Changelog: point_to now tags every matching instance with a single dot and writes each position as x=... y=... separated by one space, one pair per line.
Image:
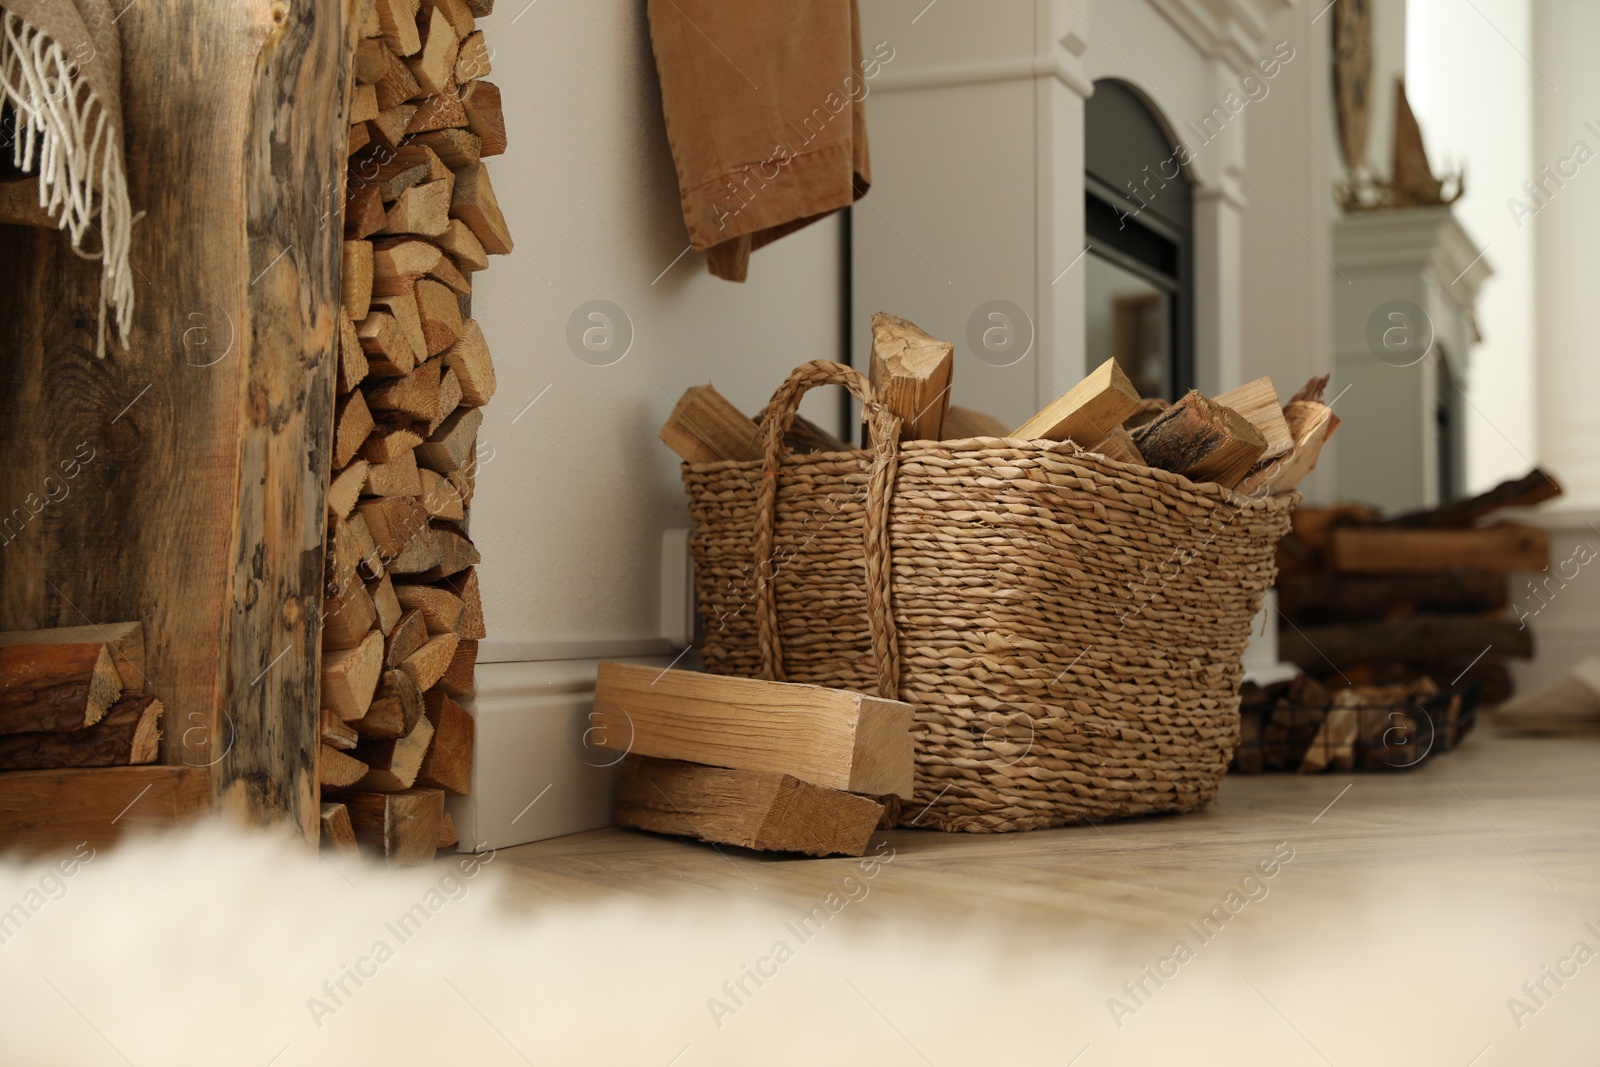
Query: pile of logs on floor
x=403 y=616
x=75 y=697
x=1369 y=601
x=1244 y=439
x=1301 y=725
x=738 y=761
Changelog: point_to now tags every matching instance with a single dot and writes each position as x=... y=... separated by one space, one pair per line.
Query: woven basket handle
x=885 y=426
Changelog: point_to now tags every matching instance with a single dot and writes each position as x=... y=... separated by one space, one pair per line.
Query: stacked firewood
x=403 y=615
x=1370 y=600
x=1243 y=439
x=74 y=696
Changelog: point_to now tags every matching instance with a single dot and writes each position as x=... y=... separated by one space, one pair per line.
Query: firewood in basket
x=705 y=427
x=1257 y=401
x=1201 y=440
x=910 y=376
x=56 y=686
x=961 y=423
x=1118 y=445
x=1086 y=412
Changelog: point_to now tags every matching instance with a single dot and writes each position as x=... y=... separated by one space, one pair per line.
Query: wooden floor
x=1514 y=816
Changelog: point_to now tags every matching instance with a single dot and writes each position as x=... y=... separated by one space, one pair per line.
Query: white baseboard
x=533 y=776
x=1563 y=607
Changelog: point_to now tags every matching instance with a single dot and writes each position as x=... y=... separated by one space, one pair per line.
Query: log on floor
x=752 y=809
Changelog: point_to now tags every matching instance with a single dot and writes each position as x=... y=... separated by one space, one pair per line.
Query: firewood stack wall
x=403 y=616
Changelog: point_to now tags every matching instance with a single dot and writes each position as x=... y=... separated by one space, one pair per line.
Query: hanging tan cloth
x=764 y=104
x=61 y=69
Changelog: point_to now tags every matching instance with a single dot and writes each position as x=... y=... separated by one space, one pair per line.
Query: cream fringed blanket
x=61 y=69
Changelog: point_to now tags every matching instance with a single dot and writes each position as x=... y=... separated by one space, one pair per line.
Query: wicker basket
x=1069 y=628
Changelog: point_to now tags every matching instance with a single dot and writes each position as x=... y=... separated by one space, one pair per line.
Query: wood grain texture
x=751 y=809
x=705 y=427
x=1086 y=412
x=910 y=375
x=403 y=828
x=829 y=737
x=1502 y=547
x=128 y=734
x=124 y=639
x=55 y=686
x=45 y=811
x=200 y=512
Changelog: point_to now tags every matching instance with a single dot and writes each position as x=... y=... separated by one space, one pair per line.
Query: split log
x=398 y=19
x=395 y=709
x=1201 y=440
x=457 y=12
x=463 y=246
x=422 y=209
x=403 y=306
x=1321 y=596
x=389 y=128
x=55 y=686
x=830 y=737
x=397 y=85
x=470 y=626
x=1334 y=742
x=347 y=616
x=473 y=61
x=394 y=522
x=442 y=499
x=124 y=640
x=335 y=770
x=352 y=422
x=398 y=477
x=355 y=278
x=453 y=443
x=1532 y=488
x=481 y=8
x=371 y=62
x=129 y=733
x=455 y=551
x=448 y=838
x=1086 y=412
x=1311 y=423
x=463 y=478
x=1258 y=402
x=391 y=173
x=474 y=203
x=420 y=554
x=336 y=733
x=458 y=148
x=346 y=488
x=434 y=66
x=485 y=115
x=440 y=312
x=363 y=104
x=388 y=605
x=705 y=427
x=963 y=423
x=459 y=680
x=1118 y=445
x=910 y=376
x=1419 y=640
x=750 y=809
x=357 y=139
x=415 y=395
x=442 y=111
x=392 y=437
x=392 y=764
x=350 y=676
x=428 y=664
x=337 y=833
x=363 y=212
x=448 y=764
x=389 y=351
x=449 y=399
x=402 y=828
x=352 y=367
x=410 y=634
x=1502 y=547
x=398 y=263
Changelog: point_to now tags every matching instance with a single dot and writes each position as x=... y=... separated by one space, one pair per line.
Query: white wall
x=570 y=506
x=1473 y=96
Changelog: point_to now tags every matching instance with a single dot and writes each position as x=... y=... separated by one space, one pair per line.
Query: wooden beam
x=1502 y=547
x=750 y=809
x=47 y=811
x=1086 y=412
x=910 y=376
x=829 y=737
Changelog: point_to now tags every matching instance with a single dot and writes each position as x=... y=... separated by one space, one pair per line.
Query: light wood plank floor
x=1513 y=815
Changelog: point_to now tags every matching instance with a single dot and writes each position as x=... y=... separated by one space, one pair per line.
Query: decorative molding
x=1419 y=237
x=1230 y=30
x=1022 y=68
